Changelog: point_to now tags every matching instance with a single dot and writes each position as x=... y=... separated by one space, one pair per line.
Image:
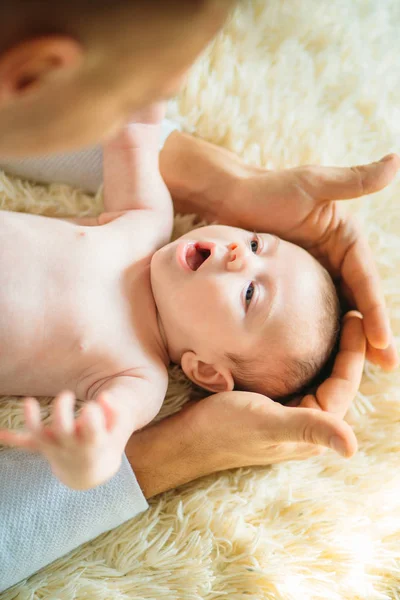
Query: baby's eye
x=254 y=245
x=249 y=293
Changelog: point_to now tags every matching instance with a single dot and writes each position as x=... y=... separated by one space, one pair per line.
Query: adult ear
x=214 y=378
x=27 y=65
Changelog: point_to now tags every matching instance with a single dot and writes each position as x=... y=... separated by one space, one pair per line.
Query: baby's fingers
x=17 y=440
x=33 y=420
x=29 y=440
x=91 y=423
x=63 y=416
x=109 y=411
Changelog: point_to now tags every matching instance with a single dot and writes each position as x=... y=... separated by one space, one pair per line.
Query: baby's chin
x=155 y=266
x=162 y=271
x=160 y=255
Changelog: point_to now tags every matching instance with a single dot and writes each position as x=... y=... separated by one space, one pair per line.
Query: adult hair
x=91 y=20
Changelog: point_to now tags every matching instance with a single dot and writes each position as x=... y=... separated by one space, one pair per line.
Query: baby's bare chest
x=69 y=305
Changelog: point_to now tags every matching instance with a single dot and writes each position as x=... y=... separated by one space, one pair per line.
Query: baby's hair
x=297 y=376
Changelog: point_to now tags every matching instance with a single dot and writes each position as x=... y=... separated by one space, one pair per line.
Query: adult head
x=73 y=71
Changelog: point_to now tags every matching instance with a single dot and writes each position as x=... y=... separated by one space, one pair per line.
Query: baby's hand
x=83 y=452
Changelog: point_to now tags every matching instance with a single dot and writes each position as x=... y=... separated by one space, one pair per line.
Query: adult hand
x=337 y=392
x=252 y=429
x=301 y=206
x=297 y=204
x=236 y=429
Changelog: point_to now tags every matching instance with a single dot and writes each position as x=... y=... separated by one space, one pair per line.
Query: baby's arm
x=131 y=175
x=87 y=451
x=132 y=180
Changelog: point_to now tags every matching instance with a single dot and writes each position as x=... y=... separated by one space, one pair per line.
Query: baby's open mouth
x=196 y=255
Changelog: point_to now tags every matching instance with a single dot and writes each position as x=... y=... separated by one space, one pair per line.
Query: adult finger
x=361 y=288
x=314 y=427
x=361 y=276
x=310 y=401
x=293 y=451
x=337 y=392
x=387 y=358
x=343 y=183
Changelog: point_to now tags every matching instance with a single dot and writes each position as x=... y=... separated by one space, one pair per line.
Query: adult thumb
x=320 y=428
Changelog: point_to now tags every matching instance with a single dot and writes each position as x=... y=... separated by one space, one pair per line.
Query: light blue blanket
x=41 y=519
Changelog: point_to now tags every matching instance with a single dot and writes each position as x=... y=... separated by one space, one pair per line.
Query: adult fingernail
x=351 y=314
x=338 y=445
x=387 y=157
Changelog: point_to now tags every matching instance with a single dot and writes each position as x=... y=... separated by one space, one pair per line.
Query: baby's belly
x=27 y=355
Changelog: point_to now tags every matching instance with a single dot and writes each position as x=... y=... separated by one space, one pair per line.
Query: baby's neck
x=162 y=334
x=148 y=322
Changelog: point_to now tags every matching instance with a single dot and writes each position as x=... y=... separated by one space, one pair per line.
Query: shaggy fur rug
x=286 y=83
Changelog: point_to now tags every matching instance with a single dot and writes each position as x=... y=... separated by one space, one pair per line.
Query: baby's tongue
x=194 y=258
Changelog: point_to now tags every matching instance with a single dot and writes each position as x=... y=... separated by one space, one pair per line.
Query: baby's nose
x=237 y=256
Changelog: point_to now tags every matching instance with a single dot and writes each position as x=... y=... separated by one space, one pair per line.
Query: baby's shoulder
x=141 y=228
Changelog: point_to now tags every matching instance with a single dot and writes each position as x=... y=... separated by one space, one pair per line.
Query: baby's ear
x=29 y=64
x=214 y=378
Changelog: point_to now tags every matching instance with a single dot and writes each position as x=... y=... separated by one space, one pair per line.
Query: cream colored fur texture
x=288 y=82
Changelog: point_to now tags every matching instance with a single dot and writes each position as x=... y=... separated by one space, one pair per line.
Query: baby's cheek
x=206 y=302
x=185 y=305
x=198 y=308
x=197 y=302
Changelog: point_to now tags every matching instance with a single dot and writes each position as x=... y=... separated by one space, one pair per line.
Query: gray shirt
x=41 y=519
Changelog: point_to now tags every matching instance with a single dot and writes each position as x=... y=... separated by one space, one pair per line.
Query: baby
x=100 y=306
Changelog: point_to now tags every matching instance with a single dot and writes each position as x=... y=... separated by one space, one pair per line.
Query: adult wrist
x=171 y=453
x=201 y=177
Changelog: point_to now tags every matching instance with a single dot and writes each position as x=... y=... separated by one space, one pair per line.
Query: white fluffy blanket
x=288 y=82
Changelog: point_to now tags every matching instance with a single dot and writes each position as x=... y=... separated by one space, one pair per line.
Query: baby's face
x=225 y=290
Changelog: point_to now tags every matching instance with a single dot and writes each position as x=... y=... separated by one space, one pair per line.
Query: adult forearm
x=201 y=177
x=168 y=454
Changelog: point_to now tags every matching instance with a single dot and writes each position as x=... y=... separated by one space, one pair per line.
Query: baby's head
x=243 y=310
